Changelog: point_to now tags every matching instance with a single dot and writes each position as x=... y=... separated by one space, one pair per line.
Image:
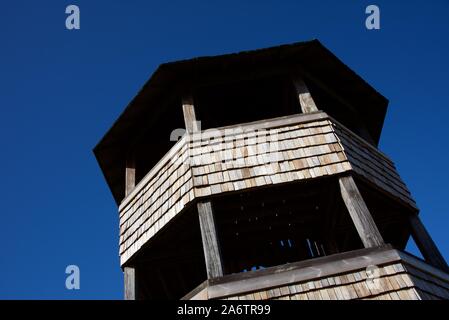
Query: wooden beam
x=211 y=248
x=130 y=174
x=188 y=110
x=130 y=283
x=359 y=213
x=425 y=243
x=305 y=98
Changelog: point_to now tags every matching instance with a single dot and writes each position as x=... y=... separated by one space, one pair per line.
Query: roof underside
x=170 y=79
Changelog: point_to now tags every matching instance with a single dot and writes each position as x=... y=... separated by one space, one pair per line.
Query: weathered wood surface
x=233 y=158
x=305 y=98
x=373 y=165
x=130 y=175
x=425 y=243
x=211 y=247
x=349 y=286
x=377 y=273
x=161 y=195
x=360 y=215
x=304 y=147
x=130 y=283
x=188 y=110
x=272 y=156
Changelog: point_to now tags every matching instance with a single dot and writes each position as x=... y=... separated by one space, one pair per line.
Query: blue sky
x=60 y=91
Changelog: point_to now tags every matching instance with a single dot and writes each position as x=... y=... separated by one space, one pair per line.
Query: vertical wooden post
x=305 y=98
x=130 y=283
x=188 y=110
x=130 y=174
x=360 y=215
x=425 y=243
x=209 y=236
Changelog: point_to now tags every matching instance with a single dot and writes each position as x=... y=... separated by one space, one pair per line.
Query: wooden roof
x=168 y=81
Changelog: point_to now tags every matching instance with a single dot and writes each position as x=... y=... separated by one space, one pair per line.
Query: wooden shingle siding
x=346 y=276
x=272 y=156
x=349 y=286
x=251 y=155
x=428 y=284
x=373 y=165
x=160 y=197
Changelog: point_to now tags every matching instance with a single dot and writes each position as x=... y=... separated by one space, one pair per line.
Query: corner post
x=305 y=98
x=211 y=248
x=188 y=110
x=130 y=283
x=130 y=174
x=360 y=215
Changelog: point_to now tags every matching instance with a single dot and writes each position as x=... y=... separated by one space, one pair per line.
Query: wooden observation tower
x=257 y=175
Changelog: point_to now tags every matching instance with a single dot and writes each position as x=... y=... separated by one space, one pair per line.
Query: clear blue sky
x=61 y=90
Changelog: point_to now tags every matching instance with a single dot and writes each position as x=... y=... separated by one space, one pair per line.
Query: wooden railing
x=375 y=273
x=247 y=156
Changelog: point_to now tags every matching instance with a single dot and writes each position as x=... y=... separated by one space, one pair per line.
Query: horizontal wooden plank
x=329 y=282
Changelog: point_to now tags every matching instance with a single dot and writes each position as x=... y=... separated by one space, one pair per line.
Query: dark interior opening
x=262 y=228
x=245 y=101
x=299 y=221
x=391 y=217
x=155 y=141
x=349 y=117
x=278 y=225
x=171 y=264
